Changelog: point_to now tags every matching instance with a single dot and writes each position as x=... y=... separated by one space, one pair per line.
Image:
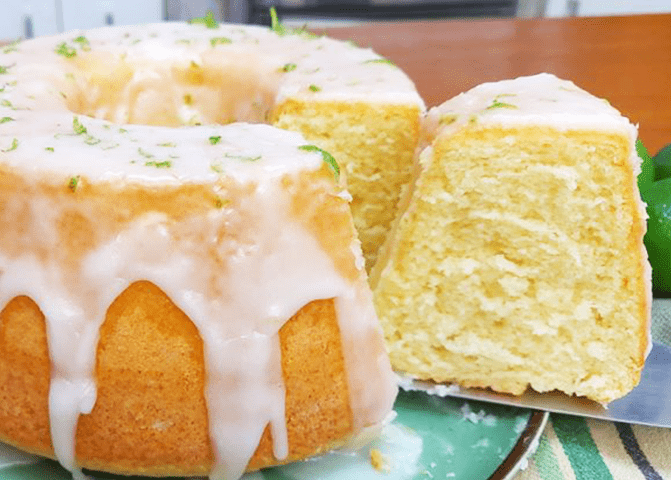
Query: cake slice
x=518 y=257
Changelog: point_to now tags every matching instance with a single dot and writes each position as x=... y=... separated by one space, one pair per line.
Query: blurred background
x=28 y=18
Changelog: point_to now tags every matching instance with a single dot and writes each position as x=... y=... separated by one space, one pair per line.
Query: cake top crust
x=93 y=97
x=541 y=99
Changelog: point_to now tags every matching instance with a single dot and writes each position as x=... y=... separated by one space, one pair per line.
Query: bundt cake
x=180 y=297
x=517 y=258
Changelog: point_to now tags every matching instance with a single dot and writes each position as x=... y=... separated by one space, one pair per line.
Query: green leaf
x=662 y=163
x=326 y=156
x=208 y=20
x=658 y=237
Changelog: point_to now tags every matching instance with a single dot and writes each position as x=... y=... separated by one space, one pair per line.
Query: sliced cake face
x=129 y=213
x=518 y=259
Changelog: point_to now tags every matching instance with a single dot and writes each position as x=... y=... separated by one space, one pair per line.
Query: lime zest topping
x=73 y=184
x=49 y=149
x=166 y=144
x=65 y=50
x=217 y=167
x=277 y=27
x=289 y=67
x=6 y=119
x=275 y=24
x=384 y=61
x=326 y=156
x=243 y=158
x=214 y=41
x=154 y=163
x=314 y=88
x=144 y=153
x=214 y=139
x=12 y=47
x=13 y=146
x=496 y=103
x=6 y=103
x=83 y=42
x=4 y=69
x=208 y=20
x=78 y=127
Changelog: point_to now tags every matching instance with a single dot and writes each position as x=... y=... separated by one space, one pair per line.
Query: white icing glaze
x=272 y=268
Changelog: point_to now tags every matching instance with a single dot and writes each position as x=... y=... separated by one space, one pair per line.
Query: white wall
x=52 y=16
x=559 y=8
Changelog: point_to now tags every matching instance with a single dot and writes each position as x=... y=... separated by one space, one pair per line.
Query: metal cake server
x=648 y=404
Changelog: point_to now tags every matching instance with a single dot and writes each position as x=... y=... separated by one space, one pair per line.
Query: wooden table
x=626 y=60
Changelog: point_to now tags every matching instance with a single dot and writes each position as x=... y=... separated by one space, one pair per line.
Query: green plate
x=431 y=437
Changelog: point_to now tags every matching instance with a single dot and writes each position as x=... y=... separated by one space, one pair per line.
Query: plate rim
x=526 y=445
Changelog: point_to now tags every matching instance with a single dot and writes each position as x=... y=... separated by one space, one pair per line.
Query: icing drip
x=238 y=271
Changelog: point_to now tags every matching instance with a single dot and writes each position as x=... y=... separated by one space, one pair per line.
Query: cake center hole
x=213 y=89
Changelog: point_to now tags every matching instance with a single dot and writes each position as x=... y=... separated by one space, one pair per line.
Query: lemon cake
x=518 y=257
x=347 y=100
x=177 y=296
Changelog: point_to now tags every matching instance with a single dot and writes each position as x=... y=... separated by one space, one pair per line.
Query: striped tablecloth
x=587 y=449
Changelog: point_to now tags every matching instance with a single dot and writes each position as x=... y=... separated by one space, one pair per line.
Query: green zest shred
x=244 y=158
x=3 y=69
x=383 y=61
x=275 y=24
x=77 y=126
x=314 y=88
x=83 y=42
x=12 y=47
x=208 y=20
x=13 y=146
x=214 y=41
x=154 y=163
x=289 y=67
x=496 y=103
x=326 y=156
x=73 y=183
x=214 y=140
x=277 y=27
x=49 y=149
x=6 y=119
x=65 y=50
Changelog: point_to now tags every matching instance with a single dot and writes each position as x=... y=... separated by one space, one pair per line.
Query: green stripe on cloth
x=546 y=461
x=579 y=446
